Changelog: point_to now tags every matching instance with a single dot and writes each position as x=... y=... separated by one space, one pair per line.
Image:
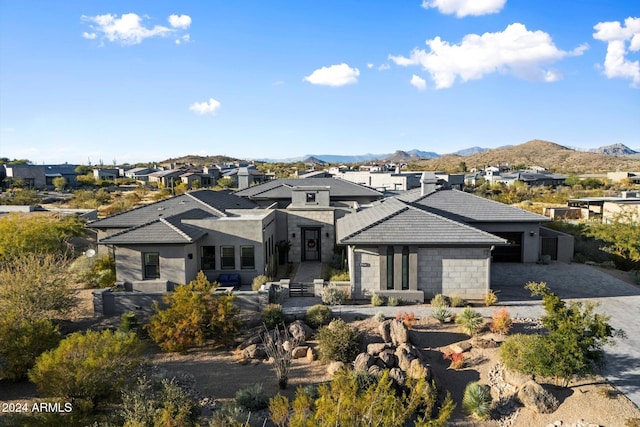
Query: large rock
x=388 y=359
x=299 y=352
x=404 y=358
x=300 y=331
x=255 y=339
x=385 y=330
x=375 y=348
x=254 y=351
x=460 y=347
x=335 y=367
x=311 y=355
x=375 y=370
x=363 y=362
x=536 y=398
x=397 y=376
x=418 y=369
x=288 y=346
x=516 y=379
x=399 y=332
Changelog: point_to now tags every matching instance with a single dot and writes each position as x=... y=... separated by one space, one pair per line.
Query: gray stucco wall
x=174 y=262
x=310 y=217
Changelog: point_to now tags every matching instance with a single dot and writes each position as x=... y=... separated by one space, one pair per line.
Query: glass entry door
x=310 y=244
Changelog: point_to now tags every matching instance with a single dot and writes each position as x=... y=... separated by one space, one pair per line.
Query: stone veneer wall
x=366 y=267
x=454 y=271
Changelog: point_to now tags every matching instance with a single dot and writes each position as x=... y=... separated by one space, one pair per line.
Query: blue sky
x=147 y=80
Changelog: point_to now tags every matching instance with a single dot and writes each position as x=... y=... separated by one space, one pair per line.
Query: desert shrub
x=393 y=302
x=408 y=318
x=230 y=415
x=456 y=301
x=21 y=341
x=276 y=351
x=339 y=341
x=490 y=298
x=470 y=321
x=442 y=314
x=128 y=321
x=342 y=403
x=334 y=295
x=476 y=401
x=364 y=380
x=501 y=322
x=258 y=281
x=318 y=315
x=457 y=359
x=439 y=300
x=252 y=398
x=339 y=276
x=377 y=300
x=272 y=316
x=525 y=353
x=632 y=422
x=158 y=401
x=193 y=315
x=379 y=317
x=88 y=366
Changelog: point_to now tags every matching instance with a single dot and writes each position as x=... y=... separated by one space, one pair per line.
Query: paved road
x=618 y=299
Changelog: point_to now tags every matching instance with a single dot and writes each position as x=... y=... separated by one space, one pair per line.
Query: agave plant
x=476 y=400
x=470 y=321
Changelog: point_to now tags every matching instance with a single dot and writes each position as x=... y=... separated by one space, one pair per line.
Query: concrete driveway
x=616 y=298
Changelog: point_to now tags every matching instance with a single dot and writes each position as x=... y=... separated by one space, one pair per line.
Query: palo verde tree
x=622 y=236
x=573 y=346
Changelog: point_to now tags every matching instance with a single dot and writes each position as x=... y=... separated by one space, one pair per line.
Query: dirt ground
x=219 y=374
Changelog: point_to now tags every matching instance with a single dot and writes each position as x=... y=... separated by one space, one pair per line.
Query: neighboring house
x=139 y=174
x=166 y=178
x=617 y=177
x=434 y=240
x=384 y=181
x=244 y=176
x=106 y=174
x=608 y=209
x=41 y=176
x=529 y=177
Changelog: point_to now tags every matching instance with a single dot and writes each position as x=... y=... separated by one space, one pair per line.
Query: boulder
x=287 y=346
x=404 y=359
x=299 y=352
x=255 y=339
x=516 y=379
x=385 y=330
x=460 y=347
x=410 y=349
x=398 y=332
x=300 y=331
x=388 y=359
x=375 y=348
x=311 y=355
x=536 y=398
x=418 y=369
x=254 y=351
x=363 y=362
x=335 y=367
x=375 y=370
x=397 y=376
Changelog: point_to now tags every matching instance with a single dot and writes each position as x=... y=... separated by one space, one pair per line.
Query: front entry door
x=310 y=244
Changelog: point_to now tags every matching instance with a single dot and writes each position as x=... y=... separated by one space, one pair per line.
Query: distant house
x=608 y=209
x=41 y=176
x=529 y=177
x=166 y=178
x=106 y=174
x=244 y=176
x=139 y=174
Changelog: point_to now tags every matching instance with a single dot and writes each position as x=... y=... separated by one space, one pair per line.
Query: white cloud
x=334 y=75
x=384 y=67
x=128 y=29
x=462 y=8
x=184 y=39
x=209 y=107
x=616 y=64
x=369 y=65
x=515 y=50
x=418 y=82
x=180 y=21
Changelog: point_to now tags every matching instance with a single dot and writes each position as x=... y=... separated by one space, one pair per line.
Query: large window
x=151 y=265
x=208 y=260
x=227 y=258
x=390 y=267
x=405 y=268
x=247 y=258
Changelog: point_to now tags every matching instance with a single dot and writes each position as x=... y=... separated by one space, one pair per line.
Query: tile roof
x=281 y=188
x=394 y=222
x=215 y=203
x=160 y=231
x=461 y=206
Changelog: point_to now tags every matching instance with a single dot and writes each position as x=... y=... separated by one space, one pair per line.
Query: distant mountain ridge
x=615 y=150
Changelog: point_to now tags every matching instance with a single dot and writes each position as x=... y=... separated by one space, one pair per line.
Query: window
x=405 y=268
x=151 y=265
x=227 y=258
x=208 y=259
x=311 y=197
x=247 y=260
x=390 y=267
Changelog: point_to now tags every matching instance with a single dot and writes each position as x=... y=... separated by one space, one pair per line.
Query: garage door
x=510 y=253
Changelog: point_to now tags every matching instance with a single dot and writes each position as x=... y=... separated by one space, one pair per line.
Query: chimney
x=428 y=183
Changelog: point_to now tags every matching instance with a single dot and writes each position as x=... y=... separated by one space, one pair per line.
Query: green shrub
x=439 y=300
x=377 y=300
x=128 y=321
x=318 y=315
x=490 y=299
x=470 y=321
x=252 y=398
x=338 y=341
x=230 y=415
x=258 y=281
x=92 y=366
x=442 y=314
x=456 y=301
x=272 y=316
x=393 y=302
x=379 y=317
x=476 y=401
x=500 y=322
x=339 y=276
x=21 y=341
x=526 y=354
x=334 y=295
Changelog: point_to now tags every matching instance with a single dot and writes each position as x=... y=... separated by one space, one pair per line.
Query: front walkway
x=308 y=271
x=616 y=298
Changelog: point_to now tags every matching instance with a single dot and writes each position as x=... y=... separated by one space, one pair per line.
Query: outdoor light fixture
x=293 y=235
x=532 y=233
